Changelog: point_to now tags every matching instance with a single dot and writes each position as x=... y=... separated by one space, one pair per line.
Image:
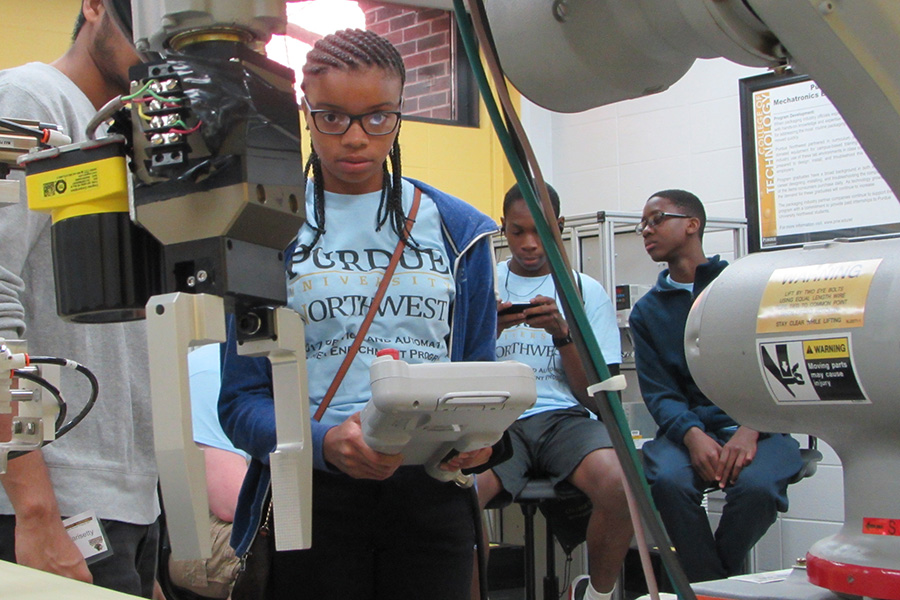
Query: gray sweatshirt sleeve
x=19 y=227
x=12 y=315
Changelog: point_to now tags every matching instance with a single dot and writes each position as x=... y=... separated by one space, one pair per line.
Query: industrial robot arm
x=219 y=182
x=572 y=55
x=210 y=132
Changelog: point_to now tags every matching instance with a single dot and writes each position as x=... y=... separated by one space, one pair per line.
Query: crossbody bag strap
x=370 y=316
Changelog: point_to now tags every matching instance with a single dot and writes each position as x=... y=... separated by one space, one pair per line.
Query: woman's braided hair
x=350 y=49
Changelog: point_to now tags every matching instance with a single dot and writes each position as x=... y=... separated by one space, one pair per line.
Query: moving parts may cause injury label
x=816 y=297
x=810 y=369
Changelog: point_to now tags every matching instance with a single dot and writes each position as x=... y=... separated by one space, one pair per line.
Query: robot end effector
x=210 y=133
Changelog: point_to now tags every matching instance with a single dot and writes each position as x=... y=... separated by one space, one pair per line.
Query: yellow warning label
x=809 y=369
x=765 y=186
x=831 y=348
x=97 y=187
x=816 y=297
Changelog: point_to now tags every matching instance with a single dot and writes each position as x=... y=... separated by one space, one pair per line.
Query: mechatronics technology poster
x=806 y=178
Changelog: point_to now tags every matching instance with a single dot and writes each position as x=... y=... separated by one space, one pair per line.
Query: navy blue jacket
x=657 y=327
x=246 y=407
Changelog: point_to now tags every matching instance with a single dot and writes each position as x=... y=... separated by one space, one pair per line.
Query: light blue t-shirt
x=678 y=285
x=205 y=371
x=333 y=287
x=534 y=347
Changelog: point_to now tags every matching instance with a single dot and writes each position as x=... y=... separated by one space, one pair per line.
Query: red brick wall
x=424 y=38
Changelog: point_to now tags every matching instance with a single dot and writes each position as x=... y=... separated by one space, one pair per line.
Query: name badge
x=87 y=533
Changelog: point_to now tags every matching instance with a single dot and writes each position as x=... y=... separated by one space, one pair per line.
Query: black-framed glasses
x=332 y=122
x=655 y=219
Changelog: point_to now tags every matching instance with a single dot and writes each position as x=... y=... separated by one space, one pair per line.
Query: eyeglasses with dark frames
x=378 y=122
x=655 y=219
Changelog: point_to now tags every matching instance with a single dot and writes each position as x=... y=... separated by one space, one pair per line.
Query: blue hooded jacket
x=657 y=327
x=246 y=407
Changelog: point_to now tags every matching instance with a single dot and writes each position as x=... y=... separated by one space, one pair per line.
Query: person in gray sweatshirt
x=106 y=464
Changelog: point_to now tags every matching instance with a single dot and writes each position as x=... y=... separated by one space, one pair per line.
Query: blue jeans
x=751 y=503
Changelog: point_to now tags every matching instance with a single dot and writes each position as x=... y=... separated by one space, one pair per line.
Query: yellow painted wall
x=35 y=30
x=466 y=162
x=463 y=161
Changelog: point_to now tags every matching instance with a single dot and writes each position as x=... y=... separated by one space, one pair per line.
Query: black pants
x=130 y=569
x=408 y=537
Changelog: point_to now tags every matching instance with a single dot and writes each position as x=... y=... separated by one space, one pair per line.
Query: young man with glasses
x=698 y=447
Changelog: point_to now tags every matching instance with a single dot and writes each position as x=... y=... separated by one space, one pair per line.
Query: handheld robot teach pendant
x=431 y=411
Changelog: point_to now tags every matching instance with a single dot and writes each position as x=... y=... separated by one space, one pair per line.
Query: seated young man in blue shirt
x=557 y=438
x=698 y=446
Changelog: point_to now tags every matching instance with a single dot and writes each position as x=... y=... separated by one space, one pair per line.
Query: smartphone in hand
x=515 y=308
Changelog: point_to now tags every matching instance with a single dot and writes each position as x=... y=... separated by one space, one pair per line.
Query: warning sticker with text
x=874 y=526
x=808 y=369
x=816 y=297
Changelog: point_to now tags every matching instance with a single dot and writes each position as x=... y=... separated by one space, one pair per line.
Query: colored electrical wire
x=119 y=102
x=141 y=113
x=147 y=89
x=179 y=126
x=186 y=131
x=169 y=103
x=140 y=92
x=164 y=98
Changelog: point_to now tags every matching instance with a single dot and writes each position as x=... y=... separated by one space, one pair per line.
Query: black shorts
x=550 y=445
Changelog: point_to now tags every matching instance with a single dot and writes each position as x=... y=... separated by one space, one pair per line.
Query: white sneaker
x=579 y=587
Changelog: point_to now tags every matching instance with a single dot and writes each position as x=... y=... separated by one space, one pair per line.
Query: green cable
x=553 y=254
x=565 y=284
x=143 y=89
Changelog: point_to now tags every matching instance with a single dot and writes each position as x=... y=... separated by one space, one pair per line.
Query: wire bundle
x=149 y=98
x=46 y=135
x=167 y=124
x=61 y=427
